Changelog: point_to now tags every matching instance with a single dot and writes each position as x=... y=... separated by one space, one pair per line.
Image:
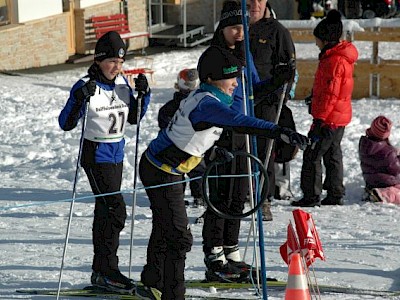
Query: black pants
x=267 y=112
x=109 y=214
x=229 y=196
x=170 y=237
x=329 y=150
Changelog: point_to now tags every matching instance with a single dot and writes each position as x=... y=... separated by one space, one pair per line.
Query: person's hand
x=284 y=72
x=87 y=90
x=319 y=131
x=221 y=155
x=141 y=84
x=307 y=101
x=294 y=138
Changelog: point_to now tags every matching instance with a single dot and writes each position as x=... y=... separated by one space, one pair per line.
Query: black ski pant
x=228 y=196
x=328 y=150
x=170 y=237
x=109 y=214
x=267 y=112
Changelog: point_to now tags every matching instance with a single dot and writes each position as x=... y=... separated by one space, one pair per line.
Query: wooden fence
x=374 y=77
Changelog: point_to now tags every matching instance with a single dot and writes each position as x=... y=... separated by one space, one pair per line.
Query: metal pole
x=139 y=105
x=251 y=108
x=184 y=24
x=71 y=209
x=251 y=190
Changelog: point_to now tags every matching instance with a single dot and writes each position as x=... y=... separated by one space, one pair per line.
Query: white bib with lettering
x=182 y=133
x=108 y=113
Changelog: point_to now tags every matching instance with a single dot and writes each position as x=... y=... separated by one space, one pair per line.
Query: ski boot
x=113 y=281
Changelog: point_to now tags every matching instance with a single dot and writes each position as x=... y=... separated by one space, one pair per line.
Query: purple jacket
x=380 y=163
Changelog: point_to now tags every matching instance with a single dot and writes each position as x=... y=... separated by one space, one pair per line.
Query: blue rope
x=44 y=203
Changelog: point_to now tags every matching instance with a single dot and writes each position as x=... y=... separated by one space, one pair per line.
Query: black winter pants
x=267 y=112
x=170 y=237
x=229 y=196
x=109 y=214
x=329 y=150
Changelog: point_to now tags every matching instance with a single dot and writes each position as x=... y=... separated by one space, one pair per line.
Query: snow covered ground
x=37 y=165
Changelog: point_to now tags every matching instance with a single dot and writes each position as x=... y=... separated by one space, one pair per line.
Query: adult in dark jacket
x=380 y=162
x=187 y=81
x=331 y=110
x=112 y=104
x=274 y=57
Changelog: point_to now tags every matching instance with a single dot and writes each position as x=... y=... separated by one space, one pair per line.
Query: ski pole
x=71 y=209
x=250 y=184
x=139 y=105
x=278 y=114
x=254 y=143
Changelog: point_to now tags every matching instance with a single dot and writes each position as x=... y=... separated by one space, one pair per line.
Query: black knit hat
x=217 y=63
x=110 y=45
x=330 y=29
x=231 y=14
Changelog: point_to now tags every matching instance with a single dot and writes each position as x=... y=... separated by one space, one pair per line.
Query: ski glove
x=85 y=91
x=141 y=84
x=307 y=101
x=284 y=72
x=294 y=138
x=319 y=130
x=221 y=155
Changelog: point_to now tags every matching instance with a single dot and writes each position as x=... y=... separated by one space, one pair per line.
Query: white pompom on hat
x=187 y=80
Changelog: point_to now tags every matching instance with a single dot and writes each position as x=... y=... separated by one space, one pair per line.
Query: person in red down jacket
x=380 y=163
x=331 y=111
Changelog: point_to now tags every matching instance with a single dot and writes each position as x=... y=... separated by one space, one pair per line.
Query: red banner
x=310 y=243
x=291 y=245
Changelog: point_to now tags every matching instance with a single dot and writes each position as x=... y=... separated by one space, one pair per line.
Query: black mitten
x=294 y=138
x=307 y=101
x=141 y=84
x=284 y=72
x=221 y=155
x=85 y=91
x=320 y=130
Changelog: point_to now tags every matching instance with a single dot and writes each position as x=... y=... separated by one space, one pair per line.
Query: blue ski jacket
x=94 y=152
x=208 y=113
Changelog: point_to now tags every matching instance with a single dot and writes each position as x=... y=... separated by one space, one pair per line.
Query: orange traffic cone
x=296 y=288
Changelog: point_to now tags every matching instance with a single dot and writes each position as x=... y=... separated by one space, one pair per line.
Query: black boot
x=307 y=202
x=332 y=200
x=113 y=281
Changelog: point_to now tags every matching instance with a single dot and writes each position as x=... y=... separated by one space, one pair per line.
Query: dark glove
x=319 y=131
x=284 y=72
x=294 y=138
x=84 y=92
x=141 y=84
x=307 y=101
x=221 y=155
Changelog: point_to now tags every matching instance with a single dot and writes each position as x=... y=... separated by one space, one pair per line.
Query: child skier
x=111 y=105
x=177 y=150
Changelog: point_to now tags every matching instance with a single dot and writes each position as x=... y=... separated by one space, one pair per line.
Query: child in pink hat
x=380 y=163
